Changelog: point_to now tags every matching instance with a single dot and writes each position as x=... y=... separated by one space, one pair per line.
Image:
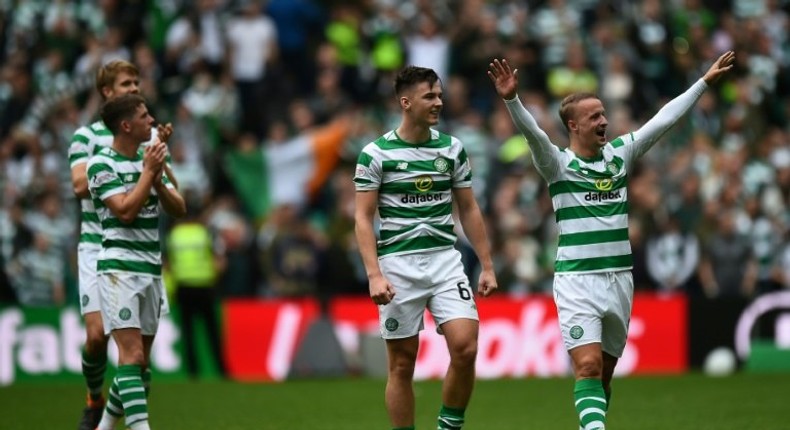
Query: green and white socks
x=451 y=418
x=146 y=377
x=93 y=368
x=590 y=401
x=115 y=407
x=113 y=411
x=129 y=382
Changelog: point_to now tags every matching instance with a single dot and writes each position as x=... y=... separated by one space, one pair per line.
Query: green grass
x=692 y=402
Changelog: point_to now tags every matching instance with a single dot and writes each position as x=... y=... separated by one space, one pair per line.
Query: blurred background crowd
x=245 y=81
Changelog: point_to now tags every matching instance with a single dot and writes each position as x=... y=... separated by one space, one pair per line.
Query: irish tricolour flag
x=289 y=172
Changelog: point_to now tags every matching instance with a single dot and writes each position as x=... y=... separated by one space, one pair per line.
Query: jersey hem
x=587 y=272
x=125 y=272
x=416 y=251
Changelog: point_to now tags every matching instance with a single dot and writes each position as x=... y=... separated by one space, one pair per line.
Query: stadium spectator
x=672 y=256
x=46 y=220
x=7 y=295
x=573 y=75
x=728 y=267
x=429 y=47
x=294 y=257
x=37 y=274
x=252 y=46
x=195 y=40
x=195 y=263
x=235 y=238
x=300 y=26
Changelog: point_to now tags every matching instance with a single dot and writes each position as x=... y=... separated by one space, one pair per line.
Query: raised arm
x=668 y=116
x=505 y=81
x=721 y=66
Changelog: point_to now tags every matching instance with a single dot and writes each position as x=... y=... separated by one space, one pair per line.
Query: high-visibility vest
x=191 y=256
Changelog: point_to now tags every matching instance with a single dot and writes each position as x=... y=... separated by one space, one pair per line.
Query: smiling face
x=116 y=78
x=125 y=83
x=422 y=103
x=120 y=82
x=419 y=93
x=585 y=118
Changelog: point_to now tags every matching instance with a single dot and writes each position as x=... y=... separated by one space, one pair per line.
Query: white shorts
x=90 y=300
x=434 y=280
x=595 y=308
x=131 y=301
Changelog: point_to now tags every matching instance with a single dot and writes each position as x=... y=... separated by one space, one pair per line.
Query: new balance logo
x=402 y=166
x=595 y=197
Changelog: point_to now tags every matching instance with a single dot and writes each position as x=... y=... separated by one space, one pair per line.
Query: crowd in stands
x=241 y=79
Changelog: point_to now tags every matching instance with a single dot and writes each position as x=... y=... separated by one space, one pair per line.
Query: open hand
x=719 y=67
x=164 y=131
x=505 y=80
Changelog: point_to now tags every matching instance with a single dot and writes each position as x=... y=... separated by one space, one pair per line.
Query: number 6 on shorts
x=464 y=292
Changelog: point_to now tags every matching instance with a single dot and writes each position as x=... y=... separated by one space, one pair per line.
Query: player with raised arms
x=593 y=285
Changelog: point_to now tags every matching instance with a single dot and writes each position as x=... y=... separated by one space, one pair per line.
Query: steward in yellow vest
x=191 y=255
x=194 y=267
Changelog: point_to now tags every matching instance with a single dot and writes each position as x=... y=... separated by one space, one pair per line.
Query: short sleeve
x=78 y=149
x=367 y=175
x=103 y=181
x=462 y=175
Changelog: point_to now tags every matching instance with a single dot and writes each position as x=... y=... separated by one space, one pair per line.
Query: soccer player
x=114 y=79
x=128 y=184
x=593 y=286
x=412 y=175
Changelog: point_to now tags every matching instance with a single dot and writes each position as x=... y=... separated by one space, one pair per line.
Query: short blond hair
x=569 y=103
x=105 y=76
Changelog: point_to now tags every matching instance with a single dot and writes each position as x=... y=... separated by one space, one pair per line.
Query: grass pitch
x=689 y=402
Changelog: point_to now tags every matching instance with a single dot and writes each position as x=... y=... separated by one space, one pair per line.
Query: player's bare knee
x=401 y=369
x=464 y=355
x=95 y=345
x=96 y=340
x=589 y=367
x=402 y=364
x=133 y=357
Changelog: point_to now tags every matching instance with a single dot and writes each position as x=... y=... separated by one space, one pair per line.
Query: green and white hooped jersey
x=415 y=183
x=134 y=247
x=590 y=199
x=86 y=142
